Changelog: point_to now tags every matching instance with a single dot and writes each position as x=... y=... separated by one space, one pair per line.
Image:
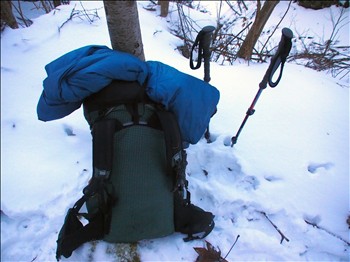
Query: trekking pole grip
x=278 y=59
x=205 y=45
x=285 y=44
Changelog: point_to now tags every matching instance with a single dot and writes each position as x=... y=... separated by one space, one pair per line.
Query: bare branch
x=284 y=15
x=327 y=231
x=283 y=237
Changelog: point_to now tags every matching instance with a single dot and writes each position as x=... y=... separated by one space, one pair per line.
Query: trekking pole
x=277 y=60
x=203 y=41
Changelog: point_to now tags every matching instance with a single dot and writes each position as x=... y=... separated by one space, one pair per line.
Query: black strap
x=73 y=234
x=133 y=110
x=200 y=52
x=116 y=93
x=173 y=141
x=102 y=146
x=176 y=155
x=190 y=219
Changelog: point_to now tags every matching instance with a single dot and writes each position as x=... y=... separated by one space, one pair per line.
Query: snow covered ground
x=290 y=165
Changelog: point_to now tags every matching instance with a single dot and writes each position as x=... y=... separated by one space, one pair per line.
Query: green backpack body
x=138 y=189
x=142 y=187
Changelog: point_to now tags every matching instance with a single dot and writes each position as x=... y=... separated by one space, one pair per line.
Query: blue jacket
x=84 y=71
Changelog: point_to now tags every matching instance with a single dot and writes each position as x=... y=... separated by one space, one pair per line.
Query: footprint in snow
x=315 y=167
x=68 y=130
x=248 y=183
x=272 y=178
x=5 y=218
x=227 y=141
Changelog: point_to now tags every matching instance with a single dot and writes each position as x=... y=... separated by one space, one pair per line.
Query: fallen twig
x=327 y=231
x=89 y=15
x=283 y=237
x=231 y=247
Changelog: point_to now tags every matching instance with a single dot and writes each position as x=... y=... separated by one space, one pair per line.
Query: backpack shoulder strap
x=189 y=219
x=102 y=146
x=172 y=136
x=73 y=233
x=176 y=156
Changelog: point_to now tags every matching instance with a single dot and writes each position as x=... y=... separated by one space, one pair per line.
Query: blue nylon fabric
x=193 y=101
x=84 y=71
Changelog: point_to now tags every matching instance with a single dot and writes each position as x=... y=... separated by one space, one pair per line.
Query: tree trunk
x=317 y=4
x=262 y=15
x=164 y=8
x=46 y=6
x=124 y=27
x=7 y=16
x=56 y=3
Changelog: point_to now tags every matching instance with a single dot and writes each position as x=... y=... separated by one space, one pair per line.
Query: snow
x=291 y=161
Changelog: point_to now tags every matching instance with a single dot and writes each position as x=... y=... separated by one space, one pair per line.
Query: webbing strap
x=173 y=139
x=102 y=146
x=73 y=233
x=200 y=51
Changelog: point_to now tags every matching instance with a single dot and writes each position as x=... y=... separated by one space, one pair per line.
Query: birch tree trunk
x=7 y=16
x=124 y=27
x=164 y=8
x=262 y=15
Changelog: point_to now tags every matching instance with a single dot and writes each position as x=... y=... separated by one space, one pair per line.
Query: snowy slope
x=291 y=161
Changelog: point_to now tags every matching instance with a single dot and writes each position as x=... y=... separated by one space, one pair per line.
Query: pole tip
x=233 y=141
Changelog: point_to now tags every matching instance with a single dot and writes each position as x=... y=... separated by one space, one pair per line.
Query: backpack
x=138 y=188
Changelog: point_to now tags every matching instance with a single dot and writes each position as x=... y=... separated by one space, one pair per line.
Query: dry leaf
x=209 y=254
